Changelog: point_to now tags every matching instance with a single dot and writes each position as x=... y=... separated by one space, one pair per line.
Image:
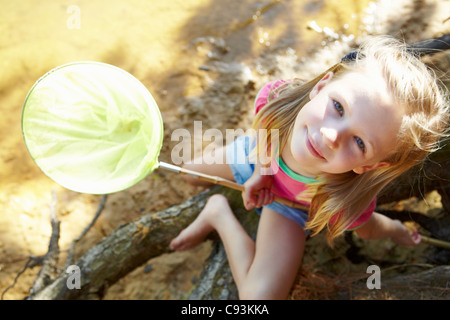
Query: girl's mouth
x=313 y=149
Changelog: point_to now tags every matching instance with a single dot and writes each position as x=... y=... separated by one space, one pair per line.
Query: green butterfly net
x=92 y=127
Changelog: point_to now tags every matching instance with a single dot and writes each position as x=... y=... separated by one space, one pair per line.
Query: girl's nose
x=330 y=137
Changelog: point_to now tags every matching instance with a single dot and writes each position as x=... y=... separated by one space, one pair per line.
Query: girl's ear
x=363 y=169
x=319 y=85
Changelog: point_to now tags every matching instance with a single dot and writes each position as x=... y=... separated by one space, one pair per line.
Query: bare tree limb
x=130 y=246
x=27 y=265
x=71 y=253
x=48 y=271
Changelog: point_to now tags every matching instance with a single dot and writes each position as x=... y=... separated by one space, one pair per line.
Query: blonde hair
x=413 y=86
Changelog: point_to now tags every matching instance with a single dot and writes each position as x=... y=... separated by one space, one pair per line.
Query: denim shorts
x=238 y=159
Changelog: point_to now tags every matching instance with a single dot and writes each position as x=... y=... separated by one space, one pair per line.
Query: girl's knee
x=220 y=202
x=219 y=198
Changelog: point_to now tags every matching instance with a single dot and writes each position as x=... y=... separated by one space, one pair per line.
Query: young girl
x=342 y=137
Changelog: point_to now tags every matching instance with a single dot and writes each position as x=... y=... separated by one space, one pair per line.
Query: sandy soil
x=163 y=43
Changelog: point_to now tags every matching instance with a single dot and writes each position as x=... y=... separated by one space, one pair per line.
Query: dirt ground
x=193 y=56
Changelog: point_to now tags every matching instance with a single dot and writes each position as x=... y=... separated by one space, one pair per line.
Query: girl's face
x=351 y=123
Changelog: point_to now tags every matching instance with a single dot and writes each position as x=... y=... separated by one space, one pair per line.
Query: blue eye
x=338 y=108
x=360 y=144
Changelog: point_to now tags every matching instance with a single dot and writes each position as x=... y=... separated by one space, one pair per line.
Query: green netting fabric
x=92 y=127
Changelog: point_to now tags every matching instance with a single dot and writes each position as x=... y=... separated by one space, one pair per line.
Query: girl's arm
x=380 y=227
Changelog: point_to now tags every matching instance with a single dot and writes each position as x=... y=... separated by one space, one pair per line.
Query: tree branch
x=130 y=246
x=50 y=260
x=71 y=253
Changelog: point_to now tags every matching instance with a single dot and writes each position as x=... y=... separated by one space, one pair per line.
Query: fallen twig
x=50 y=259
x=30 y=259
x=70 y=256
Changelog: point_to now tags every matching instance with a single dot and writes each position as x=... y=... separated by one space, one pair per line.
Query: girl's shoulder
x=264 y=93
x=364 y=217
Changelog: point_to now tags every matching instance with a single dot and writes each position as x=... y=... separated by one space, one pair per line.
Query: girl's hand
x=405 y=237
x=257 y=191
